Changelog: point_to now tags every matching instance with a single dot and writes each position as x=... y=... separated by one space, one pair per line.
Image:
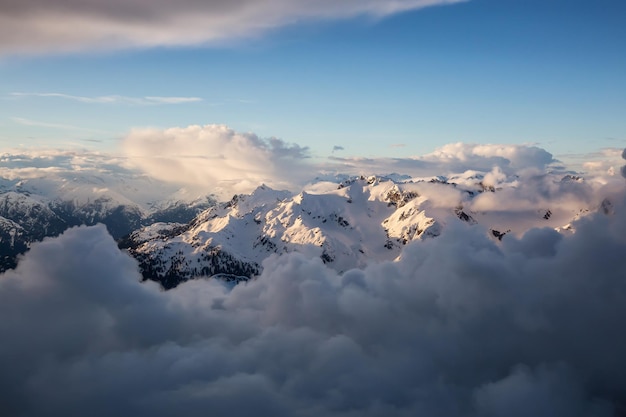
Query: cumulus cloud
x=79 y=175
x=33 y=163
x=602 y=162
x=479 y=156
x=535 y=191
x=218 y=157
x=215 y=159
x=460 y=326
x=456 y=158
x=36 y=26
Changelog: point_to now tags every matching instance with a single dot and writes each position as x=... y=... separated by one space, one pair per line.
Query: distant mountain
x=346 y=225
x=178 y=234
x=33 y=209
x=33 y=213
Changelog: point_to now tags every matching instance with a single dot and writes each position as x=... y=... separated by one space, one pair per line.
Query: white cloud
x=114 y=99
x=74 y=175
x=454 y=158
x=44 y=26
x=217 y=158
x=486 y=156
x=604 y=162
x=459 y=326
x=172 y=100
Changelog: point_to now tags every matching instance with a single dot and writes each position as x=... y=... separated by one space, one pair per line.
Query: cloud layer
x=82 y=176
x=227 y=161
x=220 y=160
x=460 y=326
x=36 y=26
x=457 y=158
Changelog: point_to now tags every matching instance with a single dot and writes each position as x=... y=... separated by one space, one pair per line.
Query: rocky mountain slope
x=346 y=221
x=346 y=224
x=31 y=209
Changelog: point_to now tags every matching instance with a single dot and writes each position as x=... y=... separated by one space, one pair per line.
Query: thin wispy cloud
x=36 y=123
x=172 y=100
x=45 y=26
x=114 y=99
x=243 y=101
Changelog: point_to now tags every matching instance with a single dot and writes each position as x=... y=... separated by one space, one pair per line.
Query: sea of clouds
x=461 y=325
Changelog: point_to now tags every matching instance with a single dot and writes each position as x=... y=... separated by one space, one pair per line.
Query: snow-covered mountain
x=347 y=224
x=13 y=241
x=44 y=202
x=179 y=233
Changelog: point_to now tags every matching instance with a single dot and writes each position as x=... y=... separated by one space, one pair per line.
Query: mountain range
x=34 y=208
x=177 y=234
x=347 y=225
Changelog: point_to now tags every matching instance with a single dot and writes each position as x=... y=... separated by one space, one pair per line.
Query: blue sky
x=551 y=73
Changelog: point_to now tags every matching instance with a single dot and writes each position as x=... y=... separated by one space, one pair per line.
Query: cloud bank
x=44 y=26
x=454 y=158
x=220 y=160
x=216 y=156
x=460 y=326
x=82 y=176
x=215 y=159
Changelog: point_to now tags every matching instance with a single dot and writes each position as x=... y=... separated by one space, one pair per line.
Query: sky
x=117 y=97
x=349 y=79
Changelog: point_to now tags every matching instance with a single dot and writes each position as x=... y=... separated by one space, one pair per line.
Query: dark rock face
x=462 y=215
x=36 y=218
x=170 y=271
x=26 y=219
x=498 y=234
x=179 y=212
x=120 y=220
x=13 y=241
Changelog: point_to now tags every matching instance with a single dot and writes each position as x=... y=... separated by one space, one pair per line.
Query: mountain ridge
x=347 y=225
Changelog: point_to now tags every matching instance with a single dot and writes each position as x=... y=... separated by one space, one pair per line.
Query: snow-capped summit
x=43 y=199
x=346 y=221
x=347 y=224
